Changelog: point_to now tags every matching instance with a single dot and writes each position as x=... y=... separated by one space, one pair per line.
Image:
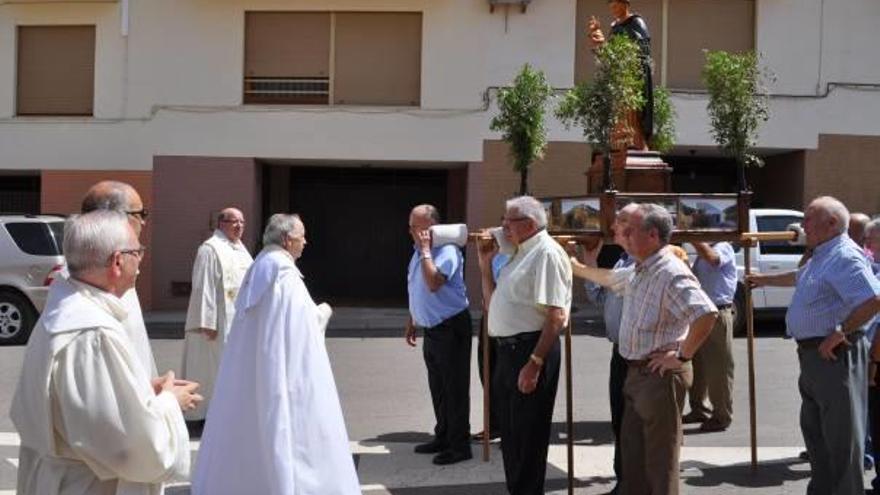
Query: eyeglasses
x=514 y=219
x=142 y=214
x=138 y=252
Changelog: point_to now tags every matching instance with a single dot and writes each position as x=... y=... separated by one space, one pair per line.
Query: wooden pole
x=487 y=379
x=568 y=408
x=750 y=328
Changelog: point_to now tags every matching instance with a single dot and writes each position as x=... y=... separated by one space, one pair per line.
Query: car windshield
x=778 y=223
x=37 y=238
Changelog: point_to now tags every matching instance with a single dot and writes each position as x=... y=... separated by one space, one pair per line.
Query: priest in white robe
x=220 y=265
x=90 y=420
x=276 y=425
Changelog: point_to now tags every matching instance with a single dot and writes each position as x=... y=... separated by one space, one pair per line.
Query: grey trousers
x=833 y=408
x=713 y=372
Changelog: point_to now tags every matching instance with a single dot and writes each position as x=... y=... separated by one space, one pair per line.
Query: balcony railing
x=287 y=90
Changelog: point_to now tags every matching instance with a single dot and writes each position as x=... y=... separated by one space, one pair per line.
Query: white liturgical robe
x=276 y=425
x=89 y=420
x=217 y=273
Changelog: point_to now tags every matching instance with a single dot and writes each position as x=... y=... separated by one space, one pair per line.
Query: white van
x=767 y=257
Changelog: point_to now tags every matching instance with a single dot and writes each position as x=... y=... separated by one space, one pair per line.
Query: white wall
x=173 y=86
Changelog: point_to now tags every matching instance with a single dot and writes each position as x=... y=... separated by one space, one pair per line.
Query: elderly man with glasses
x=90 y=419
x=528 y=308
x=219 y=268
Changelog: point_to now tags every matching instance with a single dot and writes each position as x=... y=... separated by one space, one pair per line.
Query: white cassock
x=217 y=274
x=134 y=327
x=89 y=420
x=276 y=426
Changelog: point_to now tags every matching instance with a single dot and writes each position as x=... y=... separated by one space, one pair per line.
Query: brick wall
x=188 y=192
x=845 y=167
x=62 y=191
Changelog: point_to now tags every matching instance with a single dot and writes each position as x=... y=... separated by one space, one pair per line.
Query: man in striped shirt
x=666 y=317
x=835 y=297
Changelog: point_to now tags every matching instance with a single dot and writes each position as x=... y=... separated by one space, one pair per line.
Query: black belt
x=814 y=342
x=519 y=338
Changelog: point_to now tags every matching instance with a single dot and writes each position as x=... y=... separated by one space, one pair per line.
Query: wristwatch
x=839 y=328
x=680 y=357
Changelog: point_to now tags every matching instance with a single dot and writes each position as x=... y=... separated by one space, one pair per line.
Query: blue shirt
x=835 y=280
x=612 y=302
x=498 y=262
x=429 y=309
x=718 y=282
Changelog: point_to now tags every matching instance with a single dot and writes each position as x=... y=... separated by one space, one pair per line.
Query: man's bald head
x=230 y=221
x=116 y=196
x=857 y=224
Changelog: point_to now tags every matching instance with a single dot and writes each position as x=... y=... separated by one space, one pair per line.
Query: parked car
x=767 y=257
x=30 y=255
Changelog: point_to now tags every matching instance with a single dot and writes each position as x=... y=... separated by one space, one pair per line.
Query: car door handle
x=774 y=267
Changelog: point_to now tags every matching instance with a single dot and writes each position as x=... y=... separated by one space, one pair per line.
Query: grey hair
x=528 y=206
x=657 y=217
x=90 y=239
x=280 y=225
x=834 y=209
x=114 y=197
x=430 y=210
x=872 y=227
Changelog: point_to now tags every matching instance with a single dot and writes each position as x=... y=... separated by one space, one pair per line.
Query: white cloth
x=217 y=274
x=538 y=276
x=276 y=425
x=84 y=407
x=134 y=327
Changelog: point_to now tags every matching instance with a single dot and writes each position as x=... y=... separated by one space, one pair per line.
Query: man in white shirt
x=527 y=309
x=90 y=420
x=219 y=268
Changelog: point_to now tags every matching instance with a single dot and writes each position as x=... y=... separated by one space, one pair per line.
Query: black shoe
x=713 y=425
x=451 y=457
x=692 y=418
x=431 y=447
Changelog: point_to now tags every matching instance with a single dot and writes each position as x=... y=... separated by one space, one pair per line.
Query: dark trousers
x=833 y=395
x=874 y=423
x=494 y=421
x=525 y=418
x=616 y=378
x=447 y=352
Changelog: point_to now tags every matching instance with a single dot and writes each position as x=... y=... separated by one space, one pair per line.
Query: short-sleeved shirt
x=718 y=282
x=661 y=301
x=429 y=309
x=830 y=285
x=536 y=277
x=611 y=298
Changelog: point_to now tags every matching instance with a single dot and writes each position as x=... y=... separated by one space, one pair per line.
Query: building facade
x=352 y=111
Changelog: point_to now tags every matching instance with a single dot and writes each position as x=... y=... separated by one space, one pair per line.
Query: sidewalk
x=362 y=322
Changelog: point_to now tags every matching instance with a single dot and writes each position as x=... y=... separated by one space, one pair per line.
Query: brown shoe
x=712 y=425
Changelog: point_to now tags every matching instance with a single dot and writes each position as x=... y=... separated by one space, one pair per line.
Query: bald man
x=220 y=266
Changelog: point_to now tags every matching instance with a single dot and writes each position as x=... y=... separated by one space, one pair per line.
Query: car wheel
x=17 y=318
x=739 y=312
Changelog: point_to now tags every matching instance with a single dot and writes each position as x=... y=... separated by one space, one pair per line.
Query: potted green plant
x=601 y=106
x=737 y=106
x=521 y=120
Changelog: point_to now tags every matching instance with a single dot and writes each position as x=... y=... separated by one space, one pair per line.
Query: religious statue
x=635 y=28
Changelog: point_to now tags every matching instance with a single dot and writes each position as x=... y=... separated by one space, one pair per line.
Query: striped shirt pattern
x=835 y=280
x=661 y=301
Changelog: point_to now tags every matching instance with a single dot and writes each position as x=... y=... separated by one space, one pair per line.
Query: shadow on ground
x=767 y=474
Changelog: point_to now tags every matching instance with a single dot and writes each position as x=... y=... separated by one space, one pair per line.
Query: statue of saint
x=635 y=28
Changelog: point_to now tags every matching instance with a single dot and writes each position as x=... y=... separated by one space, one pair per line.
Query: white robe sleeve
x=203 y=310
x=110 y=419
